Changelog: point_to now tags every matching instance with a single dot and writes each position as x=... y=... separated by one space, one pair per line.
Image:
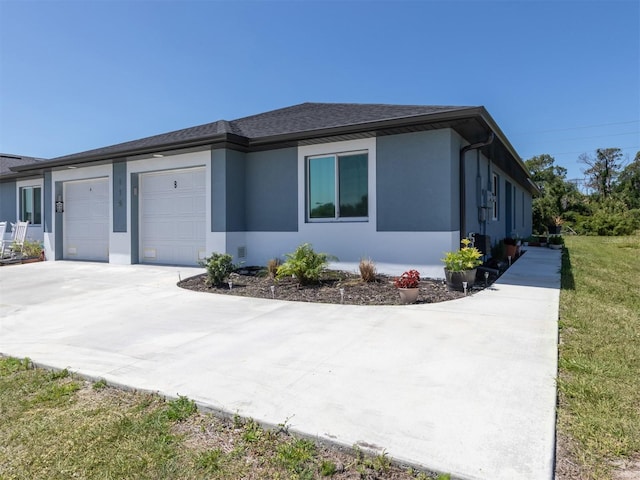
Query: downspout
x=463 y=183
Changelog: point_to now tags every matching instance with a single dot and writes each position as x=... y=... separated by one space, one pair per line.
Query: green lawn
x=57 y=426
x=599 y=363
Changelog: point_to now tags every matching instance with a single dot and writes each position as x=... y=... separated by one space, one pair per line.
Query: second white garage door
x=172 y=216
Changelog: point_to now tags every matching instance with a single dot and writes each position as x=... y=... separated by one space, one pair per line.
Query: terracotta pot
x=408 y=295
x=455 y=279
x=511 y=251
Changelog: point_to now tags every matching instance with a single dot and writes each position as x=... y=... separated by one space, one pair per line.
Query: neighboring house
x=355 y=180
x=21 y=194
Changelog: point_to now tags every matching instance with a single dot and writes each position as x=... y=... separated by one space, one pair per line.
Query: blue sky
x=559 y=77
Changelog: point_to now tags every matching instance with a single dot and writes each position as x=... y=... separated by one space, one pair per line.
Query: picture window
x=337 y=186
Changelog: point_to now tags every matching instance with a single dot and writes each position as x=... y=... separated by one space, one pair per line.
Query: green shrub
x=32 y=248
x=556 y=240
x=304 y=264
x=219 y=266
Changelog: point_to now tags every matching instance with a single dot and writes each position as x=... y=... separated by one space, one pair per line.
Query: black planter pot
x=455 y=279
x=555 y=229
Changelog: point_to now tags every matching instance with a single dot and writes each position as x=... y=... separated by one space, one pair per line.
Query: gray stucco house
x=21 y=194
x=399 y=184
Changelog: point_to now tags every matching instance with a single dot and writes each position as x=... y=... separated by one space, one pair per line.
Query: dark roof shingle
x=300 y=118
x=7 y=161
x=316 y=116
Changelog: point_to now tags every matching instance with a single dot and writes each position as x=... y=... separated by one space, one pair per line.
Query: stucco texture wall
x=272 y=191
x=414 y=179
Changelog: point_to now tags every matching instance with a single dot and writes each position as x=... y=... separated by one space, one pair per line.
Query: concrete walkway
x=465 y=387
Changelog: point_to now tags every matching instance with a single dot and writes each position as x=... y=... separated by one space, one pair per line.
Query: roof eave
x=225 y=138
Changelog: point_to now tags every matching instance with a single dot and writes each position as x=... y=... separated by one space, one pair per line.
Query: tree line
x=610 y=206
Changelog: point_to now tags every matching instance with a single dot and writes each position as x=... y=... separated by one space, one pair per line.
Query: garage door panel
x=99 y=230
x=101 y=210
x=172 y=216
x=160 y=230
x=86 y=220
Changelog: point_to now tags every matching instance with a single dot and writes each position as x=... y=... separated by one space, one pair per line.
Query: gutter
x=463 y=183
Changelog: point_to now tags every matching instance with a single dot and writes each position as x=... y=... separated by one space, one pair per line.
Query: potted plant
x=556 y=228
x=407 y=285
x=511 y=245
x=556 y=242
x=543 y=240
x=461 y=266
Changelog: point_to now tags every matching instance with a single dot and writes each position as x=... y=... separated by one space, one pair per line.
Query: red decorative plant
x=410 y=279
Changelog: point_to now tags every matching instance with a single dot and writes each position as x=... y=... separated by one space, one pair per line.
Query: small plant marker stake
x=464 y=286
x=273 y=291
x=230 y=285
x=342 y=295
x=486 y=279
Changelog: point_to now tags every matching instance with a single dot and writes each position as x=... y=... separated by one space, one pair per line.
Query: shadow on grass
x=566 y=272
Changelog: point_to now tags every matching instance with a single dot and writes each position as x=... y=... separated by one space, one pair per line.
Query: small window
x=338 y=186
x=495 y=191
x=31 y=205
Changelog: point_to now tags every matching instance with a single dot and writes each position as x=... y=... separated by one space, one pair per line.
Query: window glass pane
x=37 y=205
x=26 y=207
x=322 y=187
x=353 y=185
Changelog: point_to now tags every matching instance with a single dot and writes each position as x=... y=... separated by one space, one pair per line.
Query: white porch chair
x=3 y=231
x=14 y=246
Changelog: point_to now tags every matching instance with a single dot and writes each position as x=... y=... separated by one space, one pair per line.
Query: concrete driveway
x=465 y=387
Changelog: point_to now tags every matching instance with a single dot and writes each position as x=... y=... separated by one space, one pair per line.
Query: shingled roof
x=8 y=161
x=298 y=119
x=309 y=123
x=316 y=116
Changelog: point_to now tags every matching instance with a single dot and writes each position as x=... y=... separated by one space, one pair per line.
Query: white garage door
x=86 y=220
x=172 y=216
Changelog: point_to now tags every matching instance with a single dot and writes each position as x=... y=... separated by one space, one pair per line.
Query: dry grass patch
x=58 y=426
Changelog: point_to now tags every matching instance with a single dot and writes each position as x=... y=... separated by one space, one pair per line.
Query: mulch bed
x=254 y=282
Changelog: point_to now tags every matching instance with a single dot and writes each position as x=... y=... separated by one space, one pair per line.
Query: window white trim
x=20 y=186
x=322 y=149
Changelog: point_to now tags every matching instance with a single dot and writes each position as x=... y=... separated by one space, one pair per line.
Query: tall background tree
x=628 y=185
x=602 y=170
x=611 y=208
x=558 y=195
